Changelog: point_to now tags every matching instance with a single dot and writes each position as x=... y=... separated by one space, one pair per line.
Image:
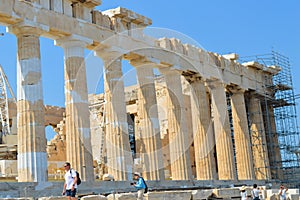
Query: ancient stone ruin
x=175 y=126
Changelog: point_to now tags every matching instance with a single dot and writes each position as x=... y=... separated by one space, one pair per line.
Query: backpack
x=78 y=178
x=146 y=189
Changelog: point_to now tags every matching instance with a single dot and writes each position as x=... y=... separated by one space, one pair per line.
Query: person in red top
x=70 y=185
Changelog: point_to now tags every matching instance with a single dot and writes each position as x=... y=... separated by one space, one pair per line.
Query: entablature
x=163 y=52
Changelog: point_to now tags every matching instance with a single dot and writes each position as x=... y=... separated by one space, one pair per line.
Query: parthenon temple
x=193 y=114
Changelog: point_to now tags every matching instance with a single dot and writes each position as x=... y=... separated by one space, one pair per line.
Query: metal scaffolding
x=280 y=120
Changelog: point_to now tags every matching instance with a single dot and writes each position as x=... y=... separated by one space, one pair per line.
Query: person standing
x=243 y=193
x=70 y=185
x=140 y=185
x=255 y=192
x=282 y=192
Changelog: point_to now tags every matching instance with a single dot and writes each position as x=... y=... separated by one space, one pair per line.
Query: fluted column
x=202 y=132
x=275 y=159
x=149 y=123
x=224 y=147
x=78 y=138
x=178 y=137
x=119 y=155
x=241 y=136
x=258 y=138
x=32 y=156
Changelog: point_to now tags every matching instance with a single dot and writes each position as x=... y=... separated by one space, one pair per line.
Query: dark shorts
x=71 y=193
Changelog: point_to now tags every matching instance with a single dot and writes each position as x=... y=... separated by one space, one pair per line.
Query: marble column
x=149 y=123
x=32 y=155
x=224 y=147
x=119 y=155
x=275 y=160
x=78 y=138
x=241 y=136
x=202 y=132
x=258 y=138
x=178 y=137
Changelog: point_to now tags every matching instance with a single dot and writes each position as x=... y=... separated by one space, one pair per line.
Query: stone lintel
x=88 y=3
x=273 y=69
x=128 y=16
x=169 y=70
x=138 y=60
x=231 y=56
x=253 y=64
x=73 y=40
x=135 y=59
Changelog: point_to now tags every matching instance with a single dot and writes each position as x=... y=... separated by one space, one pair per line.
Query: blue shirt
x=140 y=184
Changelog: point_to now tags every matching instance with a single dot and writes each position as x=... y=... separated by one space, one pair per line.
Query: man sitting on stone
x=140 y=185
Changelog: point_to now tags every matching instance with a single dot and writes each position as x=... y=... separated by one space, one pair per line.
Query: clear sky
x=244 y=27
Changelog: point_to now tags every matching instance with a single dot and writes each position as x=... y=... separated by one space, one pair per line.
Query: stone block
x=164 y=43
x=191 y=51
x=263 y=194
x=10 y=139
x=176 y=45
x=87 y=16
x=226 y=192
x=182 y=195
x=8 y=168
x=45 y=4
x=270 y=192
x=124 y=196
x=58 y=7
x=293 y=191
x=101 y=19
x=293 y=196
x=201 y=194
x=94 y=197
x=273 y=197
x=67 y=8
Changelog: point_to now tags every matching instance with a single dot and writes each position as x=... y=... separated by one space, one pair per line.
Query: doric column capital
x=214 y=84
x=73 y=45
x=192 y=77
x=109 y=54
x=235 y=89
x=27 y=27
x=73 y=41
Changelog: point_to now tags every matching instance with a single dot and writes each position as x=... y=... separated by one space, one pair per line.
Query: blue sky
x=244 y=27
